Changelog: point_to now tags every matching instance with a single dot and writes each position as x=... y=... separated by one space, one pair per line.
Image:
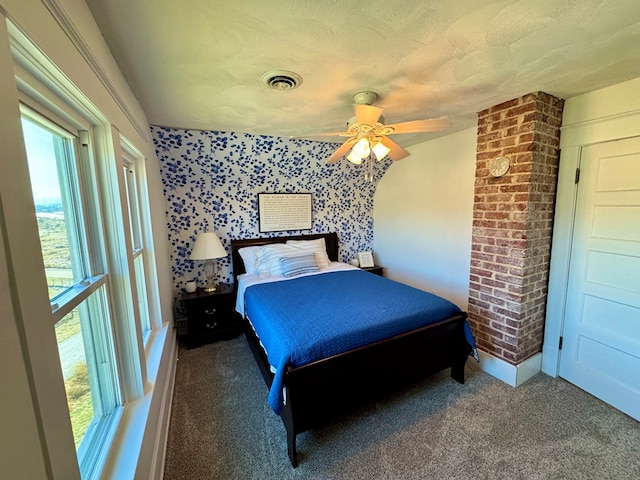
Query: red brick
x=482 y=256
x=521 y=109
x=488 y=281
x=494 y=267
x=501 y=198
x=481 y=273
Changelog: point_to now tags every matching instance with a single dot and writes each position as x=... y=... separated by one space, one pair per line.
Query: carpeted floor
x=222 y=428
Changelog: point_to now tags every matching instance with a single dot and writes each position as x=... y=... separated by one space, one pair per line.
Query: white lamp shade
x=353 y=158
x=208 y=246
x=380 y=150
x=362 y=148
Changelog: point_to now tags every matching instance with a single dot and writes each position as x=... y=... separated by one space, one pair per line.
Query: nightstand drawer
x=205 y=315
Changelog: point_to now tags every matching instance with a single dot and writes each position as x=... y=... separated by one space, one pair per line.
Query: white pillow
x=268 y=258
x=317 y=246
x=248 y=255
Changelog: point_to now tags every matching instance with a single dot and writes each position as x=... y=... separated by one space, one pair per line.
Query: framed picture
x=278 y=212
x=365 y=259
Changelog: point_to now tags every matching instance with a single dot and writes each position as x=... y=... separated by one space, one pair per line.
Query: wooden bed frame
x=323 y=389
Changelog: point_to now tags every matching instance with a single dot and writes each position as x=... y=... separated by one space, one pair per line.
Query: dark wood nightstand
x=377 y=269
x=210 y=316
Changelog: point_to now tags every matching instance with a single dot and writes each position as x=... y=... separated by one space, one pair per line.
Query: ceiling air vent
x=282 y=80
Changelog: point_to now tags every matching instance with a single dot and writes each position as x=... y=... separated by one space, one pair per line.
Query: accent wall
x=211 y=182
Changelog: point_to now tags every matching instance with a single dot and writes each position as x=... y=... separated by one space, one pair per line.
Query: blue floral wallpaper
x=211 y=181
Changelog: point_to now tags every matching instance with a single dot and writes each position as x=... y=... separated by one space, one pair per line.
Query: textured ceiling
x=198 y=64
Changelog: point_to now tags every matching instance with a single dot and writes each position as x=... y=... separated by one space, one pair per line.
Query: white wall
x=35 y=436
x=423 y=212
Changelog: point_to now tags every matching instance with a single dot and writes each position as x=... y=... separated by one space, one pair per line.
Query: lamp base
x=209 y=271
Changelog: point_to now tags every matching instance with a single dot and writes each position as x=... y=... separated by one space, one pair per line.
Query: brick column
x=512 y=224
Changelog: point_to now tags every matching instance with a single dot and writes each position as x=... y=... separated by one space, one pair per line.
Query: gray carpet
x=222 y=428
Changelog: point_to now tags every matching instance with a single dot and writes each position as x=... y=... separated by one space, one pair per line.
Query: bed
x=348 y=350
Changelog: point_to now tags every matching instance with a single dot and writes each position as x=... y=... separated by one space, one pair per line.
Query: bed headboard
x=330 y=239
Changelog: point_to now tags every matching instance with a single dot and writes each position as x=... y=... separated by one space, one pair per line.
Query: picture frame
x=365 y=259
x=278 y=212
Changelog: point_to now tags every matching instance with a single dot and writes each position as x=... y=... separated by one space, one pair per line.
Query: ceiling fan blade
x=328 y=134
x=342 y=150
x=367 y=114
x=396 y=152
x=428 y=125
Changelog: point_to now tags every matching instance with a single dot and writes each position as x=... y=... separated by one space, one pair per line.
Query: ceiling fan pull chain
x=370 y=166
x=366 y=169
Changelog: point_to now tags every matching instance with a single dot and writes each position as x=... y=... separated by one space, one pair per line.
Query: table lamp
x=208 y=247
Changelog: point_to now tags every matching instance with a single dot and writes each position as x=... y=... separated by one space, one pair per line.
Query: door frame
x=608 y=114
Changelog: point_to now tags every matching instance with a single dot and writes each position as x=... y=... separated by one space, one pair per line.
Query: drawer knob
x=210 y=312
x=214 y=325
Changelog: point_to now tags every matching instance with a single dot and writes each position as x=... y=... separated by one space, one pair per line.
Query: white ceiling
x=198 y=64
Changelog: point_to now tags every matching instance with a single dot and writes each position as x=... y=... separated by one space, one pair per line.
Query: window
x=60 y=168
x=103 y=294
x=102 y=285
x=133 y=186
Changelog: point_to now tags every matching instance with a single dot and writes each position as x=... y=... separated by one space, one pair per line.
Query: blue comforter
x=323 y=315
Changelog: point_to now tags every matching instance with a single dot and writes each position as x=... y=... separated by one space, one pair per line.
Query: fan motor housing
x=365 y=98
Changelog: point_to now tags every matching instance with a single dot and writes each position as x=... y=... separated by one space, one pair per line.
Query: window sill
x=144 y=423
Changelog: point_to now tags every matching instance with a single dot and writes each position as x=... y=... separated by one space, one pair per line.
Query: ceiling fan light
x=353 y=158
x=362 y=148
x=380 y=150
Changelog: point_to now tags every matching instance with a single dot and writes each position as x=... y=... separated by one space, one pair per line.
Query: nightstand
x=210 y=315
x=377 y=269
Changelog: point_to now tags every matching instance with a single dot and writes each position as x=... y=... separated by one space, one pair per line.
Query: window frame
x=137 y=250
x=131 y=156
x=76 y=179
x=42 y=84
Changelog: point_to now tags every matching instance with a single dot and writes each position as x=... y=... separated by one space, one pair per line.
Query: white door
x=601 y=331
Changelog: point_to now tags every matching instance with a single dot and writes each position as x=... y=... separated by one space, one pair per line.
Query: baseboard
x=513 y=375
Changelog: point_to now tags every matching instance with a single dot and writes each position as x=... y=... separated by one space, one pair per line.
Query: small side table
x=377 y=269
x=210 y=315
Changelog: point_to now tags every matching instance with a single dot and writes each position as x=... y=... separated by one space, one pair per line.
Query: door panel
x=614 y=316
x=616 y=222
x=601 y=331
x=613 y=270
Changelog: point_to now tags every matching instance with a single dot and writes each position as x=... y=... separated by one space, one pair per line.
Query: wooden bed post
x=287 y=419
x=460 y=357
x=457 y=371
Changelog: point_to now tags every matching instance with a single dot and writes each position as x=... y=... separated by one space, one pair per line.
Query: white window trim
x=89 y=258
x=75 y=295
x=31 y=63
x=151 y=279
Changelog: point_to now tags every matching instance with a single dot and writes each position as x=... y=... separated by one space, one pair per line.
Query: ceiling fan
x=368 y=134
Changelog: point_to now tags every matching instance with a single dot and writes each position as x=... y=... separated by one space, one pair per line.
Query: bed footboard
x=364 y=373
